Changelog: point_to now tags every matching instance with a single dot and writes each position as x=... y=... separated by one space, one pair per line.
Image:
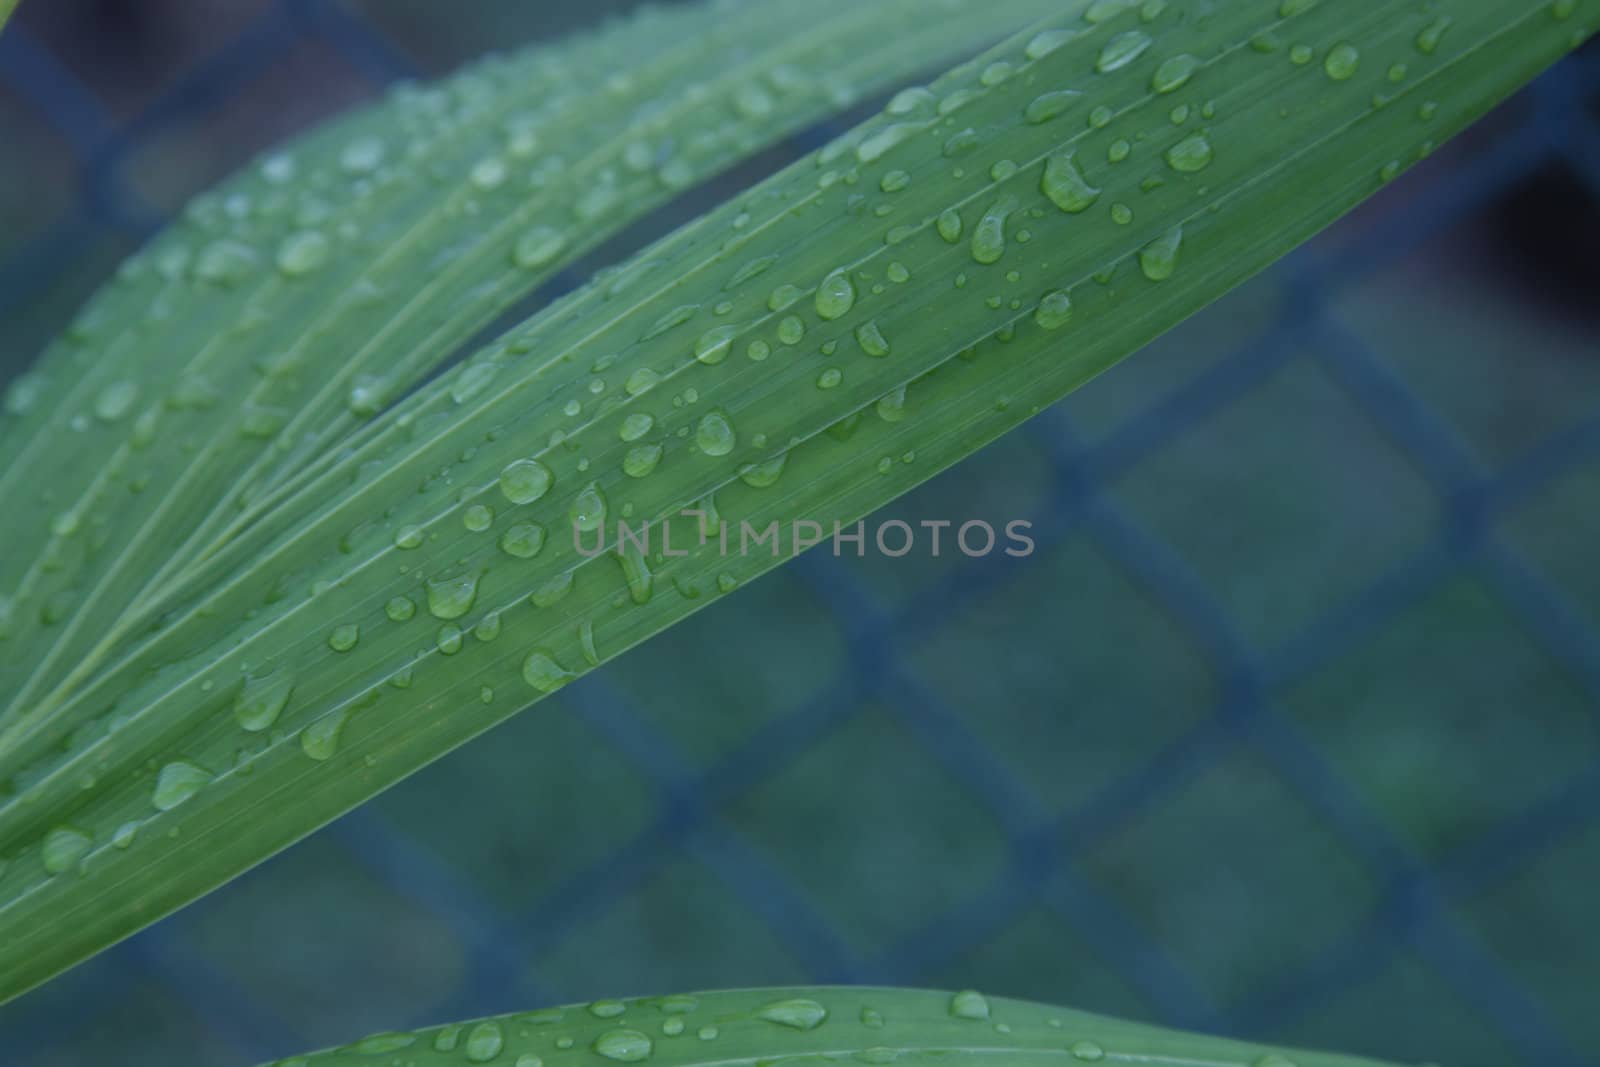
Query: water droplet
x=177 y=782
x=302 y=253
x=969 y=1004
x=830 y=378
x=544 y=673
x=875 y=144
x=715 y=435
x=378 y=1044
x=400 y=608
x=1047 y=106
x=538 y=247
x=1054 y=311
x=225 y=262
x=449 y=639
x=1428 y=40
x=588 y=510
x=712 y=347
x=640 y=381
x=1191 y=154
x=484 y=1042
x=115 y=400
x=262 y=699
x=798 y=1013
x=529 y=1059
x=989 y=236
x=1121 y=50
x=451 y=598
x=784 y=297
x=1174 y=73
x=641 y=460
x=408 y=537
x=362 y=155
x=478 y=518
x=762 y=475
x=1042 y=44
x=1341 y=61
x=894 y=181
x=1089 y=1051
x=949 y=225
x=836 y=295
x=344 y=637
x=320 y=740
x=1066 y=186
x=1159 y=258
x=63 y=848
x=871 y=339
x=635 y=426
x=525 y=480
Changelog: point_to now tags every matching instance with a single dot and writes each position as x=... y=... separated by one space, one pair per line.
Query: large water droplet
x=715 y=435
x=1191 y=154
x=870 y=337
x=523 y=541
x=262 y=699
x=177 y=782
x=588 y=511
x=484 y=1042
x=63 y=848
x=320 y=740
x=969 y=1004
x=626 y=1046
x=1341 y=62
x=989 y=236
x=525 y=480
x=1159 y=258
x=1054 y=311
x=542 y=671
x=538 y=247
x=303 y=252
x=1121 y=50
x=1174 y=73
x=1066 y=186
x=798 y=1013
x=115 y=400
x=451 y=598
x=836 y=295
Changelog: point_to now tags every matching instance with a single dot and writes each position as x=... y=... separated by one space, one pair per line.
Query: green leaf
x=814 y=1027
x=810 y=350
x=313 y=289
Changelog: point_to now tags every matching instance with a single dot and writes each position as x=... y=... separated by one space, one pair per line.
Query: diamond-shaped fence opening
x=1290 y=726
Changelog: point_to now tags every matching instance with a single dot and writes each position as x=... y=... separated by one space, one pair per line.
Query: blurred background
x=1289 y=729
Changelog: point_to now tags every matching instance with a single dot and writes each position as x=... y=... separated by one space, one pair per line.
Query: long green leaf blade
x=310 y=304
x=815 y=348
x=817 y=1026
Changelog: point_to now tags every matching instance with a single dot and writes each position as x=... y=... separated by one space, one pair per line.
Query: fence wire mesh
x=1289 y=728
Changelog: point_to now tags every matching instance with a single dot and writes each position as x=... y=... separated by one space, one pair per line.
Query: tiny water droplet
x=344 y=637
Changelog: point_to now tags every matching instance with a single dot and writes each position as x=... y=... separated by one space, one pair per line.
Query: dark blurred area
x=1290 y=729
